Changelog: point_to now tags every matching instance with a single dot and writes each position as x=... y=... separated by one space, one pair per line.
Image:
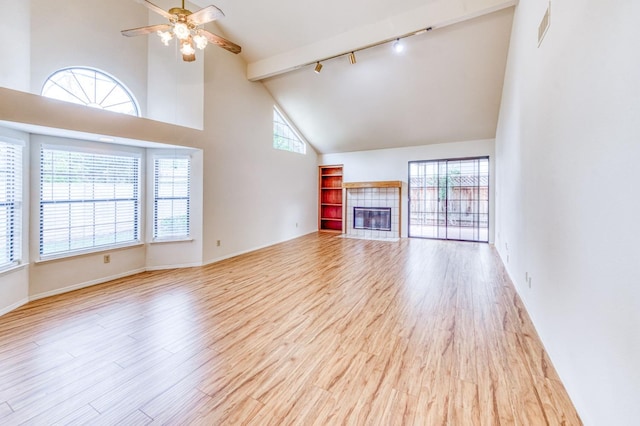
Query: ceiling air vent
x=544 y=25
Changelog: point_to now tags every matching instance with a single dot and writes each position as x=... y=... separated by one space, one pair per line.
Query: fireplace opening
x=373 y=218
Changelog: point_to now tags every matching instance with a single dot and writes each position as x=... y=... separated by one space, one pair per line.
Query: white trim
x=169 y=240
x=85 y=284
x=115 y=80
x=92 y=148
x=181 y=266
x=154 y=196
x=87 y=252
x=293 y=128
x=14 y=141
x=15 y=306
x=13 y=268
x=239 y=253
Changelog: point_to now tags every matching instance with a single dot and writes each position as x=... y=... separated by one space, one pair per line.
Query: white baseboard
x=239 y=253
x=85 y=284
x=16 y=305
x=164 y=267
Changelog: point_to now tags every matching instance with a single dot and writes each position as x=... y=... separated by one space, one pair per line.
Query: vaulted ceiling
x=446 y=85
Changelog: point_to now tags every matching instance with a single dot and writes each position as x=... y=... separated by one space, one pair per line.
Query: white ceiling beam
x=435 y=14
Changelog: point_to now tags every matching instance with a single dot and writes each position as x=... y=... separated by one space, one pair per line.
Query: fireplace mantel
x=379 y=184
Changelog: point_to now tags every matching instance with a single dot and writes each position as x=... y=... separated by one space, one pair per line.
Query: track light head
x=398 y=46
x=352 y=58
x=318 y=68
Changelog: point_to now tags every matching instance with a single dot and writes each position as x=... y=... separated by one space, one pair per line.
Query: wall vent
x=544 y=25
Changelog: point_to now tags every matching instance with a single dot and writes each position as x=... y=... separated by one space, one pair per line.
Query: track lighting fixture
x=398 y=46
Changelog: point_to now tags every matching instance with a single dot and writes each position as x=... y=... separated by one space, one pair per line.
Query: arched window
x=90 y=87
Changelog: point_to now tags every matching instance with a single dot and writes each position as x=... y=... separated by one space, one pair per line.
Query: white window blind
x=87 y=200
x=284 y=137
x=10 y=204
x=171 y=197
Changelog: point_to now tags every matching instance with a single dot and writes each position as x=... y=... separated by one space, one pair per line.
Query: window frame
x=96 y=71
x=154 y=199
x=15 y=236
x=138 y=202
x=292 y=128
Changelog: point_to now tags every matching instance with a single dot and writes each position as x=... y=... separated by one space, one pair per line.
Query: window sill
x=80 y=253
x=171 y=240
x=13 y=268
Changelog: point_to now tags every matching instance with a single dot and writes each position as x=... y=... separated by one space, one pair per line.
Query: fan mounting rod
x=180 y=11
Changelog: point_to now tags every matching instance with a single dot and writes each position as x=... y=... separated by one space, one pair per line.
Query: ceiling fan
x=186 y=26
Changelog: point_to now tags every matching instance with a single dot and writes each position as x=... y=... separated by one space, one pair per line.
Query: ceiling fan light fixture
x=185 y=26
x=181 y=30
x=318 y=68
x=165 y=37
x=186 y=47
x=200 y=41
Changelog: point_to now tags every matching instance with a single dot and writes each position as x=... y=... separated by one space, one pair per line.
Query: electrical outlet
x=218 y=243
x=106 y=258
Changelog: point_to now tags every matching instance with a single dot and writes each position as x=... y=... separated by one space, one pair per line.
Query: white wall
x=14 y=283
x=15 y=43
x=393 y=164
x=254 y=194
x=567 y=187
x=87 y=33
x=174 y=87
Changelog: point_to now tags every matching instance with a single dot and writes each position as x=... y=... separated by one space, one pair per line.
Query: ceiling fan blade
x=155 y=8
x=208 y=14
x=222 y=42
x=189 y=58
x=145 y=30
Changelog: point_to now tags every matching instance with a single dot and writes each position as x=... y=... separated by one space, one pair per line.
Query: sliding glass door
x=449 y=199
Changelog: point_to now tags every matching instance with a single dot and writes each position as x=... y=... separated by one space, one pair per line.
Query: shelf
x=330 y=199
x=331 y=231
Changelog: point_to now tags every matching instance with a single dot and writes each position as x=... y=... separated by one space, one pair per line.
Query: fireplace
x=373 y=210
x=373 y=218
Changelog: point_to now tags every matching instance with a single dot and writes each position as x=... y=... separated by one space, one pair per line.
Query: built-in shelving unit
x=330 y=199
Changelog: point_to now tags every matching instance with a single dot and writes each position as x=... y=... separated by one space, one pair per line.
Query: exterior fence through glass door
x=449 y=199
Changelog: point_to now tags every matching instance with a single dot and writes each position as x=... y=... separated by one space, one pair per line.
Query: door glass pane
x=449 y=199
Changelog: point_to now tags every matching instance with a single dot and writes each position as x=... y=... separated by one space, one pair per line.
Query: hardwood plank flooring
x=320 y=330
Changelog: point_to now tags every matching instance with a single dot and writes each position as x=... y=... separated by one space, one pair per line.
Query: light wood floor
x=320 y=330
